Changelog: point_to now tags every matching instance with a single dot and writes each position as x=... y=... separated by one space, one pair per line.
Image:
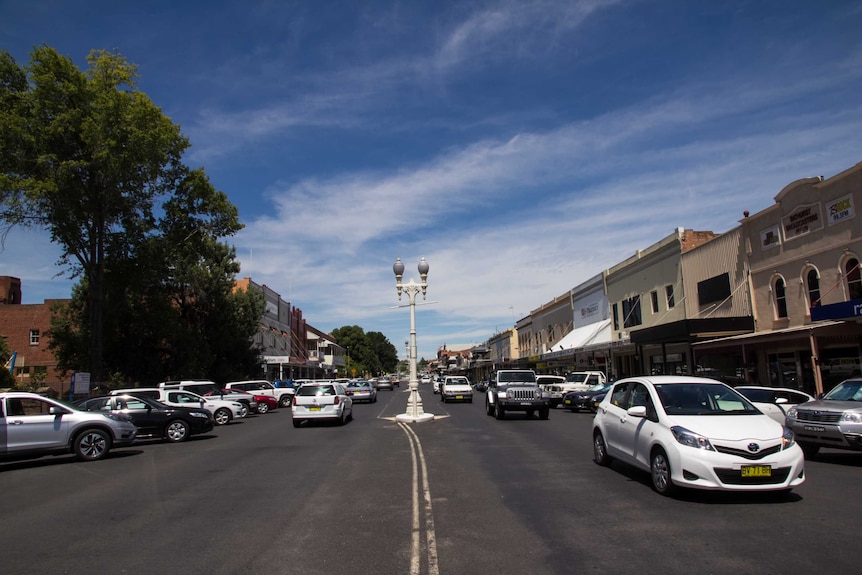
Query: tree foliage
x=370 y=353
x=91 y=159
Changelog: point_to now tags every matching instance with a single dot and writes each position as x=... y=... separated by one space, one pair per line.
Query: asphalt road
x=462 y=494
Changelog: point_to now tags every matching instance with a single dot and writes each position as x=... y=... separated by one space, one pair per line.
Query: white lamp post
x=414 y=411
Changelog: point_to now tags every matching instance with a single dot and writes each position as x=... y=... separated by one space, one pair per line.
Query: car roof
x=670 y=379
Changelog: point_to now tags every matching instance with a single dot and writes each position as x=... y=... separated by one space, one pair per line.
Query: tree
x=84 y=155
x=370 y=353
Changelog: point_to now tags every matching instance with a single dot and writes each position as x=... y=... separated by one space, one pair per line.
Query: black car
x=578 y=400
x=153 y=418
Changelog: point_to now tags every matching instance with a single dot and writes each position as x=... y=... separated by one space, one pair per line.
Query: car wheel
x=297 y=422
x=284 y=401
x=809 y=451
x=489 y=409
x=530 y=413
x=262 y=407
x=176 y=430
x=350 y=415
x=600 y=451
x=244 y=411
x=499 y=411
x=92 y=445
x=544 y=413
x=660 y=473
x=221 y=416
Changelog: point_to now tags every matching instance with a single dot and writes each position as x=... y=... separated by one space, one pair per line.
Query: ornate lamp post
x=414 y=411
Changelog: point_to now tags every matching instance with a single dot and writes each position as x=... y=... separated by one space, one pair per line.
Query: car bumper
x=326 y=412
x=459 y=395
x=523 y=405
x=699 y=469
x=827 y=435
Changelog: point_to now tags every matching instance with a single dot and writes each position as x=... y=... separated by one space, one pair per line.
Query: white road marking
x=418 y=457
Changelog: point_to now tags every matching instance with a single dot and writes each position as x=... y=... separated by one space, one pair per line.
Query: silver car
x=835 y=420
x=32 y=426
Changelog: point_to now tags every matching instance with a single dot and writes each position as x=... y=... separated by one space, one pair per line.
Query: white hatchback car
x=328 y=401
x=697 y=433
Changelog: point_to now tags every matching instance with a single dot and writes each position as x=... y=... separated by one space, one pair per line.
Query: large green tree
x=370 y=353
x=85 y=155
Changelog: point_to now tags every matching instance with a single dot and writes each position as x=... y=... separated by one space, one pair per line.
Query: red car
x=265 y=403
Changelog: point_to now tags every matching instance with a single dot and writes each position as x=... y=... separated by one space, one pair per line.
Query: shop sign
x=802 y=221
x=837 y=311
x=840 y=210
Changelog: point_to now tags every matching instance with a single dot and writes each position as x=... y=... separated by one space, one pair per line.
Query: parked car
x=583 y=400
x=283 y=395
x=361 y=390
x=223 y=411
x=835 y=420
x=265 y=403
x=774 y=401
x=32 y=426
x=696 y=433
x=153 y=418
x=209 y=388
x=327 y=401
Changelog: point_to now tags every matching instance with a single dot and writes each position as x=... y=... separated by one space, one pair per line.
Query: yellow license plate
x=314 y=408
x=459 y=397
x=757 y=471
x=568 y=401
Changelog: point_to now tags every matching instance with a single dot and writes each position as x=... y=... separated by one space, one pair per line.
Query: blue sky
x=521 y=147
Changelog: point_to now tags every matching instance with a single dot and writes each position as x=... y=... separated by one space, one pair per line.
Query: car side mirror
x=637 y=411
x=780 y=400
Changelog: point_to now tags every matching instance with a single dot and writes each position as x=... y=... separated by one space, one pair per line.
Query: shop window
x=813 y=282
x=668 y=292
x=654 y=297
x=780 y=294
x=616 y=318
x=853 y=278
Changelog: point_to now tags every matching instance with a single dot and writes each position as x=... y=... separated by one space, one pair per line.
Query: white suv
x=223 y=410
x=211 y=389
x=284 y=395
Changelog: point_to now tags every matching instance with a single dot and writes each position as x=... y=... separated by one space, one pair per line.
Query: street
x=459 y=495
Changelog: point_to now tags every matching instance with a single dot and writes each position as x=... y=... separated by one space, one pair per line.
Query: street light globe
x=398 y=268
x=423 y=268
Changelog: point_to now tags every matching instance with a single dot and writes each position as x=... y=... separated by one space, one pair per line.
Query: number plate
x=757 y=471
x=813 y=428
x=459 y=397
x=568 y=401
x=314 y=408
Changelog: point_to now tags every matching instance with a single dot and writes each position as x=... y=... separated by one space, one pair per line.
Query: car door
x=31 y=426
x=149 y=421
x=611 y=412
x=635 y=432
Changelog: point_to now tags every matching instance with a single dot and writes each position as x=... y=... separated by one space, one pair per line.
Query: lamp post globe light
x=414 y=413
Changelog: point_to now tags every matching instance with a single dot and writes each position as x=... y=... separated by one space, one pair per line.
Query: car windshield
x=517 y=376
x=316 y=390
x=576 y=377
x=703 y=399
x=846 y=391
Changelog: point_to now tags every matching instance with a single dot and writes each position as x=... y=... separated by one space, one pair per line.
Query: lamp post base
x=414 y=413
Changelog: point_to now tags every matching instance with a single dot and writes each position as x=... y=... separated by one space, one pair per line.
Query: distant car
x=481 y=386
x=695 y=433
x=385 y=383
x=153 y=418
x=553 y=385
x=32 y=426
x=774 y=401
x=834 y=420
x=583 y=400
x=456 y=388
x=361 y=391
x=426 y=379
x=327 y=401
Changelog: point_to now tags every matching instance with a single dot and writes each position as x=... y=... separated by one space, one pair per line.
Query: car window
x=98 y=404
x=703 y=399
x=846 y=391
x=618 y=393
x=758 y=395
x=316 y=390
x=639 y=396
x=25 y=406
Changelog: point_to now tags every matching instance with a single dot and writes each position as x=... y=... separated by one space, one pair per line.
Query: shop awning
x=591 y=334
x=766 y=336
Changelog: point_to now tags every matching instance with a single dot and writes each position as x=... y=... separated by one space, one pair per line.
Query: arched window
x=780 y=294
x=853 y=279
x=813 y=281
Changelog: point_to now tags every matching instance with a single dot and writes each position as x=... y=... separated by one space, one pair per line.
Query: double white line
x=430 y=536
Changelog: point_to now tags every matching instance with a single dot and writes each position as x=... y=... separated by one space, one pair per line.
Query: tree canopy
x=369 y=353
x=91 y=159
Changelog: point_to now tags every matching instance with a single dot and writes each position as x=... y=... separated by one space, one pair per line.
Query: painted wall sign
x=802 y=221
x=770 y=238
x=840 y=210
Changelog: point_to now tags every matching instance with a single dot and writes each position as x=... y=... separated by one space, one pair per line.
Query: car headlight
x=851 y=417
x=118 y=417
x=787 y=438
x=198 y=414
x=791 y=413
x=690 y=438
x=501 y=394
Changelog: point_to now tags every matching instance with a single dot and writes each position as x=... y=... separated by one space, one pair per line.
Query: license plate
x=568 y=401
x=314 y=408
x=526 y=403
x=813 y=428
x=757 y=471
x=459 y=397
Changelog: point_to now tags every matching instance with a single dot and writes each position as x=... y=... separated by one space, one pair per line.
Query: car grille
x=521 y=394
x=744 y=453
x=734 y=477
x=818 y=416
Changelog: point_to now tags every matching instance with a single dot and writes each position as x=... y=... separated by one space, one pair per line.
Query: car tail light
x=337 y=400
x=294 y=400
